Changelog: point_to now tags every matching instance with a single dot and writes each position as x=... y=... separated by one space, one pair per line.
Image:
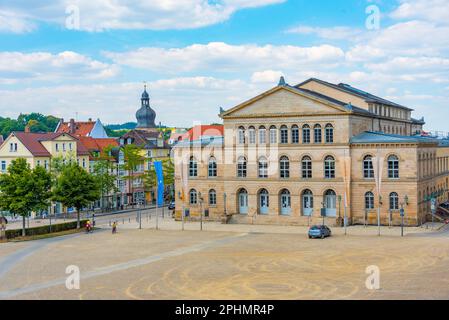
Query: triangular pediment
x=284 y=100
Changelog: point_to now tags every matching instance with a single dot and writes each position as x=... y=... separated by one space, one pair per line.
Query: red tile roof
x=203 y=131
x=98 y=144
x=32 y=141
x=81 y=128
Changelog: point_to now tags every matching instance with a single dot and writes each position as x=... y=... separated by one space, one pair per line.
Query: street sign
x=323 y=212
x=402 y=212
x=433 y=204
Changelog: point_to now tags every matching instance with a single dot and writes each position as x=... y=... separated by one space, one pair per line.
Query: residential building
x=295 y=153
x=93 y=129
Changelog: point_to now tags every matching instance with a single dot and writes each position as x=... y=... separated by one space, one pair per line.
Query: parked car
x=171 y=206
x=319 y=232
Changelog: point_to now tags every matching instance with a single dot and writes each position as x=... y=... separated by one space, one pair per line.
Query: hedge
x=34 y=231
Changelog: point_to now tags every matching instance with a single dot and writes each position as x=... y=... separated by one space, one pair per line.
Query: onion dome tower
x=145 y=115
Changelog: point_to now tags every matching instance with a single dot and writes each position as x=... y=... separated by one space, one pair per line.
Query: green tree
x=169 y=176
x=75 y=187
x=133 y=159
x=24 y=190
x=102 y=170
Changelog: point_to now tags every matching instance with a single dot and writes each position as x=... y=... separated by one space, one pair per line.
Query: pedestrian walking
x=114 y=227
x=88 y=226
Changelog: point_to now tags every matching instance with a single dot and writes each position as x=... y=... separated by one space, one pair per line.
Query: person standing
x=114 y=227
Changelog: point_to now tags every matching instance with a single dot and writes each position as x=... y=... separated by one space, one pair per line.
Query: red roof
x=98 y=144
x=82 y=128
x=32 y=141
x=200 y=131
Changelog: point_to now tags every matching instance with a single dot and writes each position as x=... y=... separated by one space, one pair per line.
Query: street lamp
x=200 y=197
x=403 y=213
x=339 y=209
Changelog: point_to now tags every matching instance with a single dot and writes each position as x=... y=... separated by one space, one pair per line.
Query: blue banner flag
x=160 y=182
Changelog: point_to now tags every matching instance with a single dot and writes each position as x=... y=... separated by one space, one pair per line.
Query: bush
x=34 y=231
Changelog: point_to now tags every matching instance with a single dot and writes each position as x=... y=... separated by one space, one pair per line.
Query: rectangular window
x=57 y=147
x=318 y=135
x=295 y=135
x=263 y=169
x=284 y=135
x=306 y=135
x=273 y=136
x=262 y=136
x=3 y=166
x=252 y=136
x=212 y=198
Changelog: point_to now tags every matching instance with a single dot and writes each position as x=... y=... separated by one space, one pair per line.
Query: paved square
x=232 y=263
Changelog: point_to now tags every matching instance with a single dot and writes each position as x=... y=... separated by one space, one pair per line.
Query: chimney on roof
x=72 y=126
x=27 y=129
x=90 y=119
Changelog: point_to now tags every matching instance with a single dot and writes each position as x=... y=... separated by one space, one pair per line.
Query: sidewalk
x=358 y=230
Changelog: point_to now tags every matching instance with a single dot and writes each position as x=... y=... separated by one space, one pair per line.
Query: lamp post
x=200 y=197
x=403 y=213
x=323 y=212
x=339 y=209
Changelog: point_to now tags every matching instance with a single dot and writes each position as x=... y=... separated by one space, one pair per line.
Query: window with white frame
x=212 y=167
x=241 y=167
x=212 y=197
x=193 y=167
x=252 y=135
x=394 y=201
x=368 y=168
x=193 y=197
x=241 y=135
x=284 y=165
x=262 y=135
x=273 y=135
x=306 y=134
x=393 y=167
x=369 y=200
x=284 y=134
x=306 y=165
x=317 y=134
x=295 y=134
x=329 y=167
x=263 y=167
x=329 y=133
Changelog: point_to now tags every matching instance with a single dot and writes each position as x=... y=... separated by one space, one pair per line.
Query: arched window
x=393 y=167
x=307 y=202
x=193 y=197
x=262 y=135
x=284 y=134
x=284 y=167
x=264 y=201
x=329 y=133
x=317 y=133
x=252 y=135
x=273 y=135
x=329 y=167
x=285 y=202
x=295 y=134
x=241 y=135
x=306 y=167
x=212 y=167
x=241 y=167
x=369 y=200
x=394 y=201
x=212 y=197
x=193 y=167
x=263 y=167
x=306 y=134
x=368 y=168
x=330 y=203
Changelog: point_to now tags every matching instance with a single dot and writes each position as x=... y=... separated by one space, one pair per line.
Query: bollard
x=123 y=220
x=129 y=220
x=109 y=222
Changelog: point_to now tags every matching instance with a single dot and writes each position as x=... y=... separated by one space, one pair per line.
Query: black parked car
x=171 y=206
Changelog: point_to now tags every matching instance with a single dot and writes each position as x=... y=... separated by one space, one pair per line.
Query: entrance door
x=243 y=202
x=330 y=202
x=307 y=203
x=263 y=202
x=285 y=202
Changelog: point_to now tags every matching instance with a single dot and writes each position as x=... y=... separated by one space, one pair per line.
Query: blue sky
x=199 y=55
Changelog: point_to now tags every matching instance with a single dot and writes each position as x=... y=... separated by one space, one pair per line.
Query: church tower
x=145 y=115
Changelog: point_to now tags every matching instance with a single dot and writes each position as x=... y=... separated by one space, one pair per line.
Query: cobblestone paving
x=236 y=263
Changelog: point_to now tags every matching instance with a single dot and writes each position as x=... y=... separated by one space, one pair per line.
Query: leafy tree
x=24 y=190
x=133 y=159
x=169 y=176
x=106 y=181
x=75 y=187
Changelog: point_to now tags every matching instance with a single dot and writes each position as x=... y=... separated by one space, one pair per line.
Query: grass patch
x=46 y=235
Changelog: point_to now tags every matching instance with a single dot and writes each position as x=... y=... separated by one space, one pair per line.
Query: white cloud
x=429 y=10
x=219 y=56
x=267 y=76
x=102 y=15
x=177 y=101
x=333 y=33
x=10 y=22
x=45 y=66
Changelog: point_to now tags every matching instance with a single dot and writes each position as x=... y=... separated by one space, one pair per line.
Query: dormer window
x=129 y=140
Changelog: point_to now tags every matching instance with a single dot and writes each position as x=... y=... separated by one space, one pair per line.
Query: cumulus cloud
x=333 y=33
x=219 y=56
x=45 y=66
x=177 y=101
x=102 y=15
x=267 y=76
x=429 y=10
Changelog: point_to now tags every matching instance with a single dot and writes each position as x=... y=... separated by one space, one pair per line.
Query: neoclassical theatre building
x=295 y=153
